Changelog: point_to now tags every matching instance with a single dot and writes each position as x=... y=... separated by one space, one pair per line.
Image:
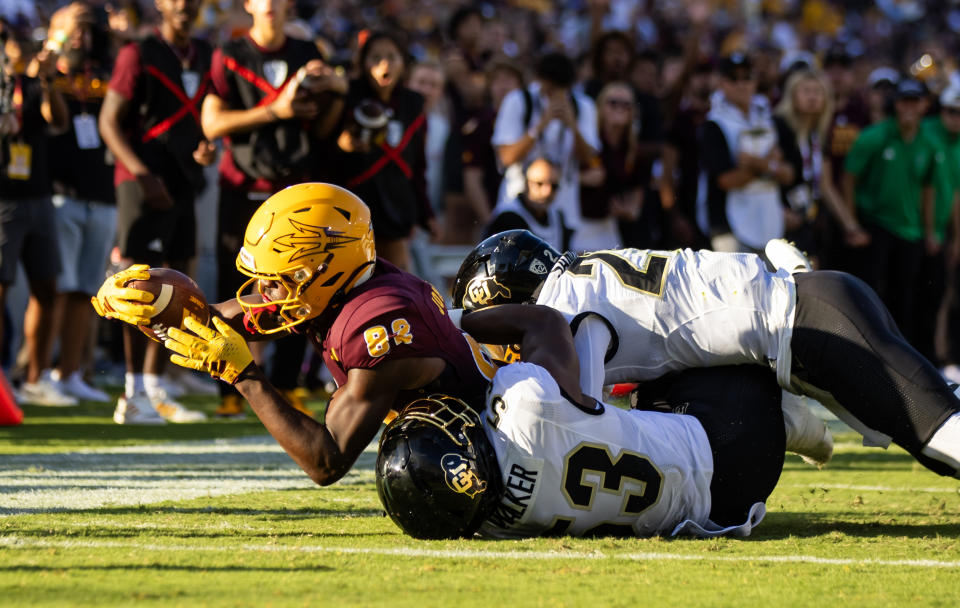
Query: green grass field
x=215 y=514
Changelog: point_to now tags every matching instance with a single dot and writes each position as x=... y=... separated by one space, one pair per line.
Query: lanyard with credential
x=21 y=154
x=18 y=104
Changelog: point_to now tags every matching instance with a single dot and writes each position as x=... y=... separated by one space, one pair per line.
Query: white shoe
x=45 y=392
x=173 y=411
x=171 y=388
x=784 y=254
x=807 y=435
x=191 y=383
x=75 y=386
x=951 y=373
x=136 y=410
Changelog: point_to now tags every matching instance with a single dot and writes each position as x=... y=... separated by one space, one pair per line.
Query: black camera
x=370 y=121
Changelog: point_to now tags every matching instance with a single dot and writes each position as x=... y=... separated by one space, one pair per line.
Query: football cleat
x=137 y=410
x=294 y=398
x=192 y=383
x=951 y=373
x=807 y=435
x=783 y=254
x=75 y=386
x=173 y=411
x=45 y=392
x=231 y=407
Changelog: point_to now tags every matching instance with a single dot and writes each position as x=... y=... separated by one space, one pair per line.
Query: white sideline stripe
x=16 y=541
x=844 y=486
x=144 y=474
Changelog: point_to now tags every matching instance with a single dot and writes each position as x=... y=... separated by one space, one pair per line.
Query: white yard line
x=861 y=488
x=137 y=475
x=27 y=543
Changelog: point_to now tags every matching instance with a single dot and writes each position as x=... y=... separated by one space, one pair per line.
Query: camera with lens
x=370 y=119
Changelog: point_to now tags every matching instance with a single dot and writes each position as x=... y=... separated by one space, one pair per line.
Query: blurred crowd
x=593 y=123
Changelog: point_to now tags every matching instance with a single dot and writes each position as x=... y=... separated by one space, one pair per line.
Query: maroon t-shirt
x=124 y=79
x=169 y=152
x=396 y=315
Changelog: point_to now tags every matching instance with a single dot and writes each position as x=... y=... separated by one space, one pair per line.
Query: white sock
x=945 y=444
x=133 y=384
x=151 y=382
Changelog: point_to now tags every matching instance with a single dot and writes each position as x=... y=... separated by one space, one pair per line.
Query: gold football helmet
x=316 y=241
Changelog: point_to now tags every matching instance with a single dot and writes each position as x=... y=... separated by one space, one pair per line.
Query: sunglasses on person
x=619 y=104
x=952 y=111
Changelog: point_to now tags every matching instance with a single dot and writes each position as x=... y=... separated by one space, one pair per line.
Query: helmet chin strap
x=367 y=273
x=364 y=271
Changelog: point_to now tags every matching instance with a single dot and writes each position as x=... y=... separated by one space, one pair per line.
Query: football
x=174 y=295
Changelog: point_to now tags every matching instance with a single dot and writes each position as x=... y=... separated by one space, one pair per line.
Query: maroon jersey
x=397 y=315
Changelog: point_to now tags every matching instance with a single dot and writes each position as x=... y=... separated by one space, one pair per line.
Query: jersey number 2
x=648 y=280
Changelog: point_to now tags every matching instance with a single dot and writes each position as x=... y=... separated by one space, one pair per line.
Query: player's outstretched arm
x=324 y=451
x=543 y=335
x=327 y=451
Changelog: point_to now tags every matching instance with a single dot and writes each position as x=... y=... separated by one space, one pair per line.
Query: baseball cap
x=883 y=75
x=908 y=88
x=950 y=98
x=797 y=60
x=837 y=55
x=733 y=62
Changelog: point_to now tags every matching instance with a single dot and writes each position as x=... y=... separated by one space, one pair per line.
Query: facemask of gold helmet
x=315 y=240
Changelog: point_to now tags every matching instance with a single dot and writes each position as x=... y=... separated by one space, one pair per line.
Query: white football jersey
x=672 y=310
x=571 y=471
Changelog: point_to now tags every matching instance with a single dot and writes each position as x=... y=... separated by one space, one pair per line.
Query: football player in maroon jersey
x=384 y=334
x=273 y=102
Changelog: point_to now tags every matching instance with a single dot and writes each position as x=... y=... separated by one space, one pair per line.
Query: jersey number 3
x=585 y=458
x=648 y=280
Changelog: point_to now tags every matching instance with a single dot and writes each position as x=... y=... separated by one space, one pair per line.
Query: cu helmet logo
x=538 y=267
x=460 y=477
x=485 y=290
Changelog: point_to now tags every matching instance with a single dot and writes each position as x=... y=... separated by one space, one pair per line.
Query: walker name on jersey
x=520 y=486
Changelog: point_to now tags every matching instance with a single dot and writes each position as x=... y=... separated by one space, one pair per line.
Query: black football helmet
x=437 y=474
x=506 y=268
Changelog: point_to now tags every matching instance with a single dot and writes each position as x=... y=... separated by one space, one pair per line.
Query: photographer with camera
x=384 y=147
x=274 y=102
x=548 y=119
x=81 y=170
x=741 y=161
x=30 y=109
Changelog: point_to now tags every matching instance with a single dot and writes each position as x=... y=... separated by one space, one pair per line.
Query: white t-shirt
x=556 y=144
x=438 y=132
x=673 y=310
x=550 y=231
x=570 y=471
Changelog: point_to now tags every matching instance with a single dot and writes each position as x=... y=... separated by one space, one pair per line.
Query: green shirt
x=946 y=172
x=891 y=174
